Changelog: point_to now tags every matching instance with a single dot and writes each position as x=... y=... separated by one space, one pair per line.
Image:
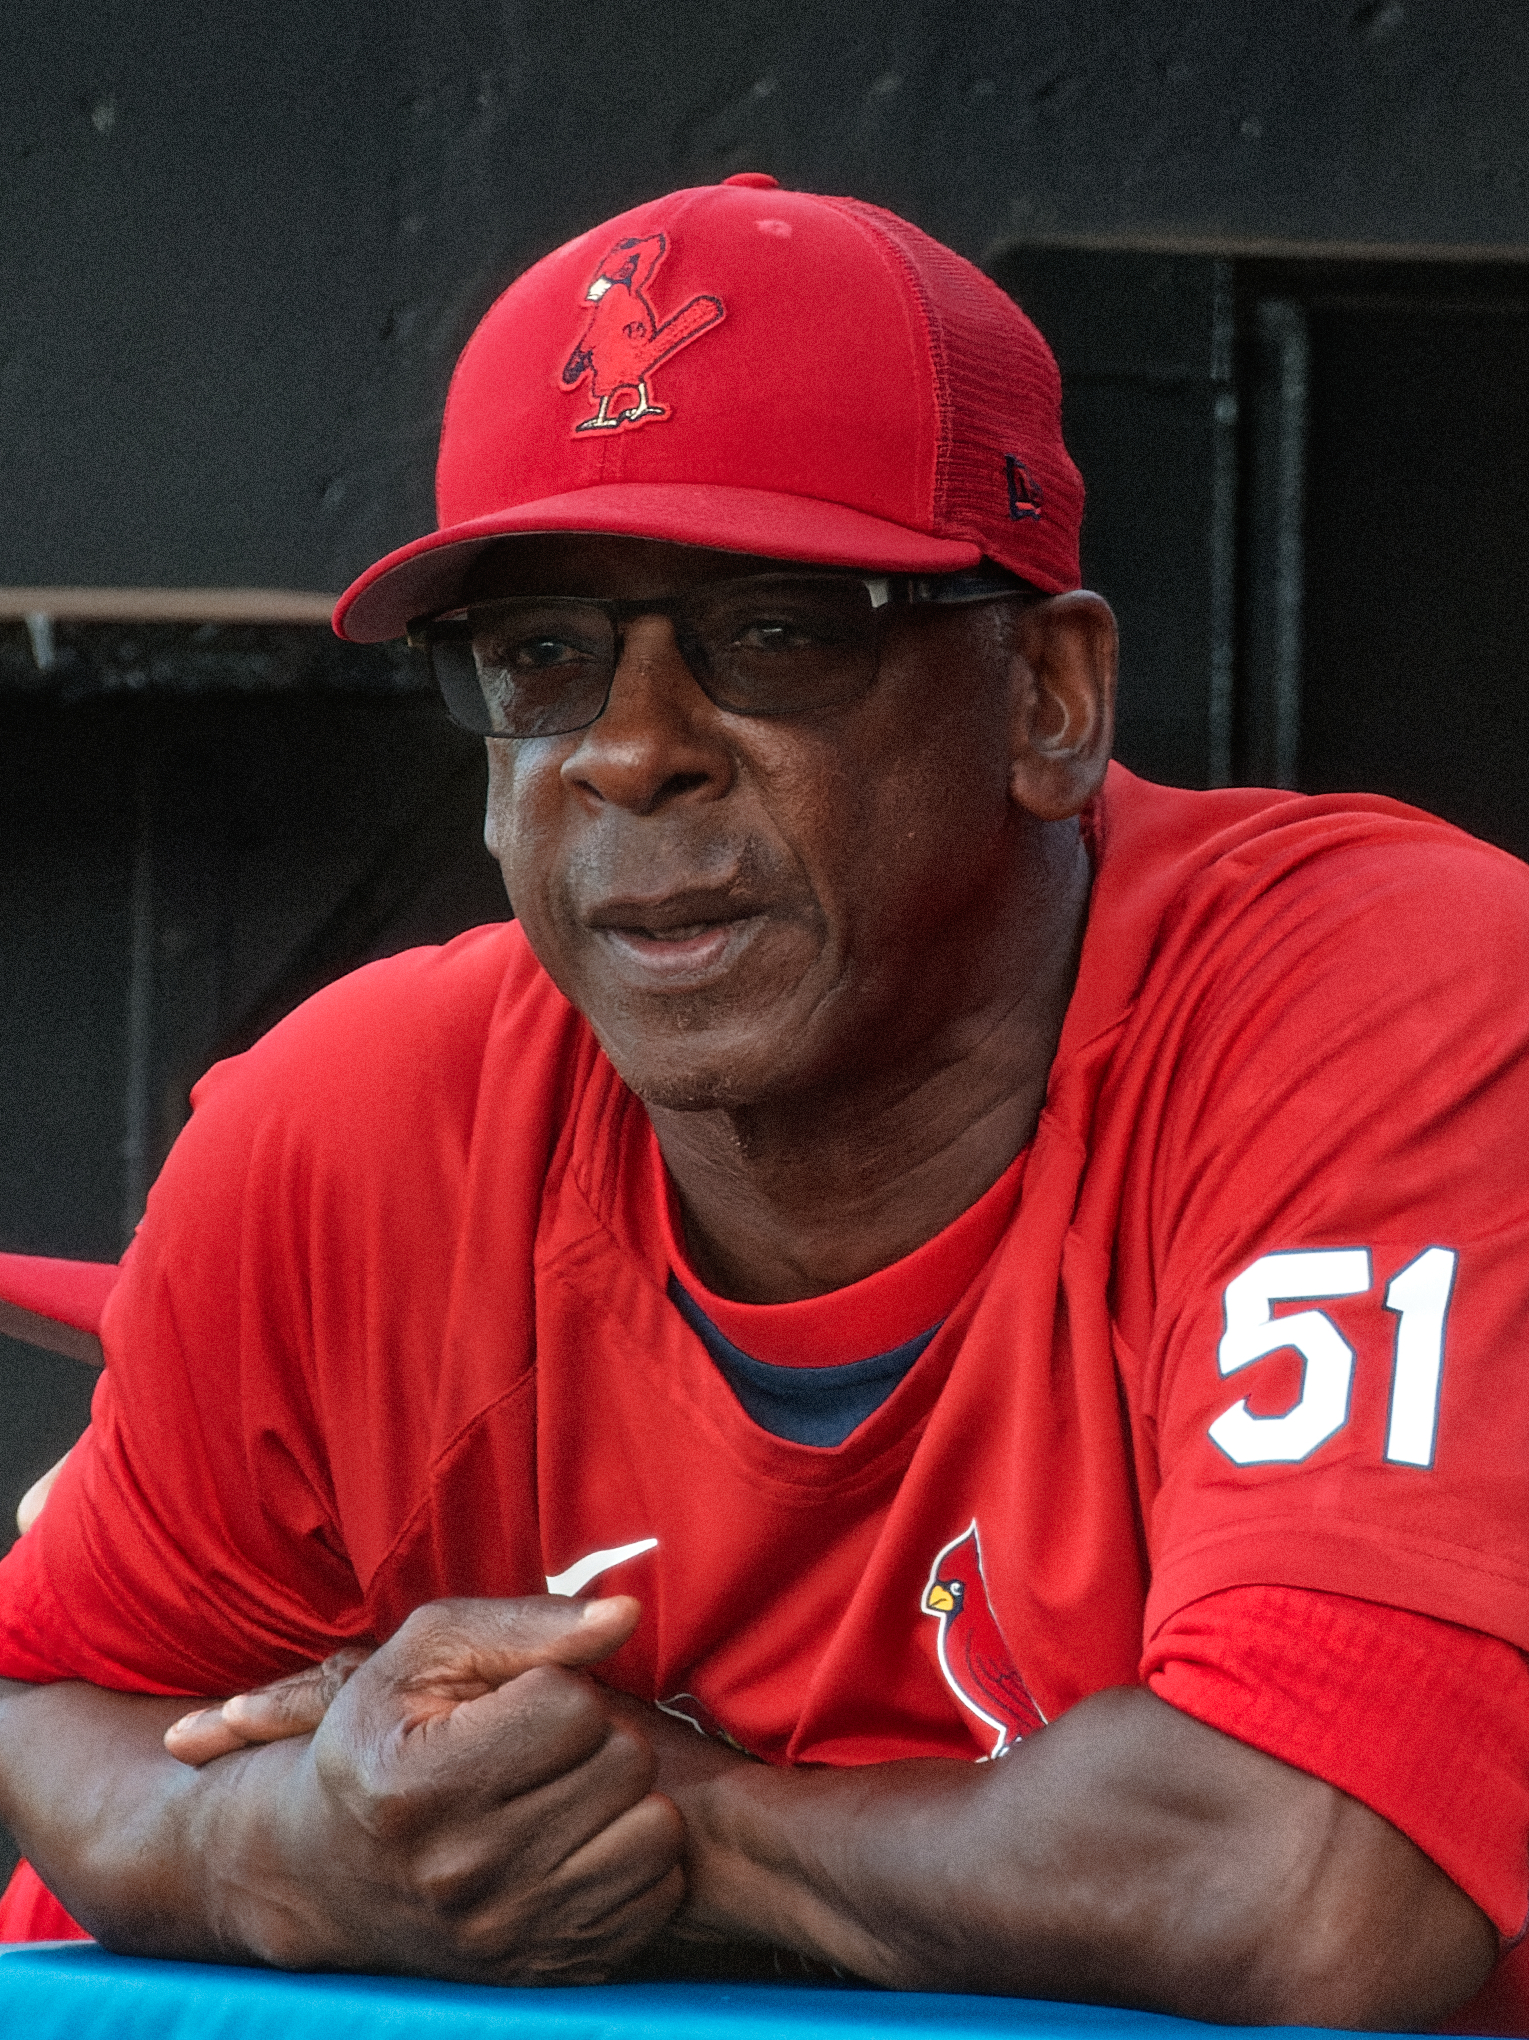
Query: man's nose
x=657 y=739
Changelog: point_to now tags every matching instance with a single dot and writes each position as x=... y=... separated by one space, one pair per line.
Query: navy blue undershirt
x=807 y=1405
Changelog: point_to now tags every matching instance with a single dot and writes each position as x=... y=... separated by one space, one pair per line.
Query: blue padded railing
x=75 y=1991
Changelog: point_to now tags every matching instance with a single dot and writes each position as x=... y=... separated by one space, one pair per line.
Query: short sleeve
x=1425 y=1723
x=189 y=1545
x=1337 y=1362
x=270 y=1406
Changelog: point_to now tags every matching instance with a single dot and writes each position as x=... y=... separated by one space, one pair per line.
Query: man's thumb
x=459 y=1650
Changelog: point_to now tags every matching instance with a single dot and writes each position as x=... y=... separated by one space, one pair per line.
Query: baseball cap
x=757 y=370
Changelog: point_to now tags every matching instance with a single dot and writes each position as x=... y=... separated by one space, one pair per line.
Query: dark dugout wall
x=241 y=246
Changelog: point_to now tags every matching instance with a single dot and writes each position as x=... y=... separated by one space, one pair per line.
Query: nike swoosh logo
x=583 y=1570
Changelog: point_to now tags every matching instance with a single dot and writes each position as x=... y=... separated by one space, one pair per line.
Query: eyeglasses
x=767 y=645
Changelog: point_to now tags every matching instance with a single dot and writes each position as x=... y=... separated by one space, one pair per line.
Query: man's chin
x=689 y=1073
x=670 y=1089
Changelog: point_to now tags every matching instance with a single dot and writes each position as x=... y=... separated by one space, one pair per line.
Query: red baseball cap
x=756 y=370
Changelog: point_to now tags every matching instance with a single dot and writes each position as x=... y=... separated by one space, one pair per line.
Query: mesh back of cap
x=1003 y=477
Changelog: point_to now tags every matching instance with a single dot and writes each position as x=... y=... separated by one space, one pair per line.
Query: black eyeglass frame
x=886 y=592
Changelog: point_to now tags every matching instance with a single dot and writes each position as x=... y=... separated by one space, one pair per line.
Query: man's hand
x=297 y=1705
x=467 y=1808
x=470 y=1791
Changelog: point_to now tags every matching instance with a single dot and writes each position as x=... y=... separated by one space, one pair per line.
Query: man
x=991 y=1291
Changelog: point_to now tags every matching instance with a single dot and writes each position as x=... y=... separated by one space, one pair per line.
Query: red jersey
x=399 y=1325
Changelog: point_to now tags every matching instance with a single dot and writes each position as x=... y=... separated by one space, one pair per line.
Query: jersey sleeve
x=1425 y=1723
x=186 y=1546
x=1335 y=1329
x=247 y=1457
x=189 y=1542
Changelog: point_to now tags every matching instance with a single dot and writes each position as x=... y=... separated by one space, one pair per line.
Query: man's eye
x=530 y=655
x=770 y=636
x=784 y=634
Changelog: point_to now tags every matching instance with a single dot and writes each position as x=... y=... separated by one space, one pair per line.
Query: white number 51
x=1419 y=1297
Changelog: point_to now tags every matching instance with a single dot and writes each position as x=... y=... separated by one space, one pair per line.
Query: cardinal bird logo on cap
x=973 y=1654
x=623 y=341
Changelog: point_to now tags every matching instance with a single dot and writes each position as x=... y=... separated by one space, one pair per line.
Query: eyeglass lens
x=771 y=645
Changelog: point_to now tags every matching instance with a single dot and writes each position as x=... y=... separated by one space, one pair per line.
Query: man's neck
x=792 y=1198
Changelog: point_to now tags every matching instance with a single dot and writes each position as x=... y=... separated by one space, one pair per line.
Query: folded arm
x=1126 y=1854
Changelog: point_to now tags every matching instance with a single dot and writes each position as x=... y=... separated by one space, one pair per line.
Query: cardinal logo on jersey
x=973 y=1654
x=624 y=340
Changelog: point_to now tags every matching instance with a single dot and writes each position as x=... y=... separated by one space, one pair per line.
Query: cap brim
x=426 y=577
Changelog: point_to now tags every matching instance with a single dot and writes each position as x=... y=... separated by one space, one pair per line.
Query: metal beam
x=1276 y=571
x=166 y=605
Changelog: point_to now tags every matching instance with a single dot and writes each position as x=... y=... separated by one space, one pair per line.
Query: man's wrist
x=754 y=1867
x=253 y=1830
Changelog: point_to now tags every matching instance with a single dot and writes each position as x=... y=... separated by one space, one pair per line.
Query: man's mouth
x=685 y=932
x=688 y=950
x=678 y=939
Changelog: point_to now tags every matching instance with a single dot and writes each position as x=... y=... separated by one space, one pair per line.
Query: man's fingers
x=609 y=1890
x=291 y=1706
x=294 y=1705
x=455 y=1773
x=530 y=1734
x=630 y=1854
x=464 y=1864
x=622 y=1887
x=573 y=1800
x=451 y=1652
x=446 y=1656
x=197 y=1738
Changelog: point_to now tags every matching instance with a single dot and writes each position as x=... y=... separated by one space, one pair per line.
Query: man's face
x=748 y=907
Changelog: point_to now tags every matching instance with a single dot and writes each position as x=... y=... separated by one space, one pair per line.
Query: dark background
x=1283 y=252
x=243 y=244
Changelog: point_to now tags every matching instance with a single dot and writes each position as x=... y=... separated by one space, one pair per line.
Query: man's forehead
x=592 y=563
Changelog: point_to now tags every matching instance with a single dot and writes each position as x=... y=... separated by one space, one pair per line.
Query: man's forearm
x=156 y=1859
x=129 y=1840
x=1125 y=1855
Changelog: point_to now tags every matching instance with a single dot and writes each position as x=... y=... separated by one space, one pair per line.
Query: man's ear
x=1065 y=653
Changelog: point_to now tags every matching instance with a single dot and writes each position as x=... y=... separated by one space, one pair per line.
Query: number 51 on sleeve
x=1419 y=1299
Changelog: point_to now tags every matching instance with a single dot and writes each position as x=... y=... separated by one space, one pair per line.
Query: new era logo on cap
x=1024 y=491
x=856 y=401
